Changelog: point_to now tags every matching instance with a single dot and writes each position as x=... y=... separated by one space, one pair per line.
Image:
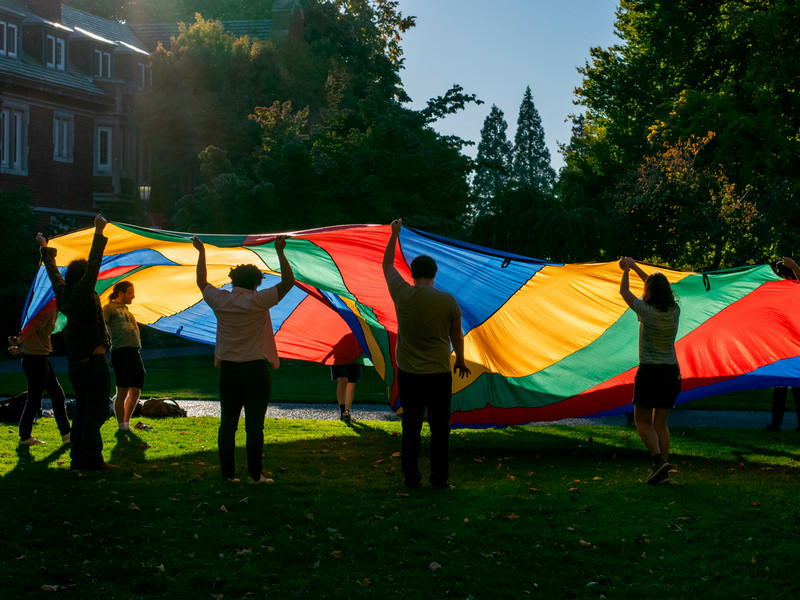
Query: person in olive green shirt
x=126 y=359
x=428 y=323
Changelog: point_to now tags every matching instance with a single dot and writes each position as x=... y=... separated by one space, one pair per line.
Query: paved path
x=680 y=417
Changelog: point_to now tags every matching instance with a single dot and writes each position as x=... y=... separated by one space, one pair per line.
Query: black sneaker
x=345 y=416
x=658 y=473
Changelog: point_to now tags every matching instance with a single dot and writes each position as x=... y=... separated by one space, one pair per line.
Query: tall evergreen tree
x=493 y=162
x=531 y=158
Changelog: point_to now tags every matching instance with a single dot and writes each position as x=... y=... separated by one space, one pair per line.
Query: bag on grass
x=11 y=408
x=162 y=407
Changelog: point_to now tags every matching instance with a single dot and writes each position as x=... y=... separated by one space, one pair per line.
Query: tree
x=325 y=137
x=685 y=68
x=493 y=162
x=530 y=156
x=18 y=267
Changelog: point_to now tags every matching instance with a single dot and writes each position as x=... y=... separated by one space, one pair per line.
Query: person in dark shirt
x=87 y=342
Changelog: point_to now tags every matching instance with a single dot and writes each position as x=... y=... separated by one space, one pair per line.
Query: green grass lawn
x=195 y=378
x=548 y=512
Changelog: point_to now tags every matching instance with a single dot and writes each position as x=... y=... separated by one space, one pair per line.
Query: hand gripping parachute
x=545 y=341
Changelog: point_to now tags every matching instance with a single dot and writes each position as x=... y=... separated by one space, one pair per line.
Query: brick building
x=69 y=82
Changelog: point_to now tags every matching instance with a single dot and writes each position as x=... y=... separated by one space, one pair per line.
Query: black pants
x=91 y=380
x=41 y=377
x=418 y=393
x=243 y=385
x=779 y=404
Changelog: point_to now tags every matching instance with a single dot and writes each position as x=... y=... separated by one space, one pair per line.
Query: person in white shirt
x=244 y=345
x=658 y=378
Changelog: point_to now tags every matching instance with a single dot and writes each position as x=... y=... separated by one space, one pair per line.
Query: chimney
x=47 y=9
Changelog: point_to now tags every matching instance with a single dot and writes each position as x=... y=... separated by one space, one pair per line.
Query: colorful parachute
x=544 y=341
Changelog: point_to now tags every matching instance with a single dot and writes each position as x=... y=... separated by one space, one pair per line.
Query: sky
x=495 y=49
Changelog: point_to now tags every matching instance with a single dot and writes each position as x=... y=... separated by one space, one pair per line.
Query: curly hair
x=246 y=276
x=658 y=292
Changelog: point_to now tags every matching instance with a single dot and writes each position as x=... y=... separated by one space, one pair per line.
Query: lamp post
x=144 y=196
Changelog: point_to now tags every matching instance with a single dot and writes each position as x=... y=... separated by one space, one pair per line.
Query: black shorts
x=656 y=386
x=128 y=367
x=352 y=372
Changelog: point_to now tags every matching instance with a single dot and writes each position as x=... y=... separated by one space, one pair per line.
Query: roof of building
x=118 y=33
x=154 y=33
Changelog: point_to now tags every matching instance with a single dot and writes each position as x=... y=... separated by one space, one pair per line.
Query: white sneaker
x=31 y=441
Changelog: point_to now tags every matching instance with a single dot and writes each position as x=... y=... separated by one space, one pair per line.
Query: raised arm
x=89 y=279
x=788 y=262
x=639 y=271
x=287 y=275
x=457 y=341
x=625 y=263
x=202 y=272
x=388 y=255
x=49 y=262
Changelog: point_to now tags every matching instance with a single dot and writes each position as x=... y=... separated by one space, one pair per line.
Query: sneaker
x=658 y=473
x=67 y=438
x=345 y=416
x=261 y=480
x=31 y=441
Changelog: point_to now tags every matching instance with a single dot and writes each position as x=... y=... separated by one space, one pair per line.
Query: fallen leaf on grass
x=597 y=479
x=244 y=551
x=134 y=508
x=585 y=544
x=756 y=504
x=512 y=517
x=49 y=588
x=160 y=568
x=223 y=509
x=434 y=566
x=397 y=455
x=364 y=582
x=337 y=554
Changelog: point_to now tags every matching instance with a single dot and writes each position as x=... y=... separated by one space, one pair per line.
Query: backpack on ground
x=162 y=407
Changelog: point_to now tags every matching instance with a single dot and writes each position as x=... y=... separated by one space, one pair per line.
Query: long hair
x=119 y=288
x=658 y=292
x=75 y=270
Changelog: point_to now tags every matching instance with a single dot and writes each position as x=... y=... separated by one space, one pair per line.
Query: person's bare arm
x=202 y=271
x=287 y=275
x=457 y=341
x=388 y=255
x=788 y=262
x=624 y=285
x=637 y=269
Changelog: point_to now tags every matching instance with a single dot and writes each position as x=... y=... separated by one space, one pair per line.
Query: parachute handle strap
x=506 y=262
x=706 y=282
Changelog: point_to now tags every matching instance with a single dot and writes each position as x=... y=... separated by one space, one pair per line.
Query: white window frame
x=9 y=40
x=63 y=136
x=103 y=160
x=102 y=63
x=14 y=139
x=12 y=51
x=141 y=75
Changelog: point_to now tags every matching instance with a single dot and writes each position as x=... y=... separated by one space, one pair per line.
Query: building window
x=8 y=39
x=55 y=53
x=103 y=145
x=63 y=136
x=102 y=64
x=13 y=140
x=141 y=75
